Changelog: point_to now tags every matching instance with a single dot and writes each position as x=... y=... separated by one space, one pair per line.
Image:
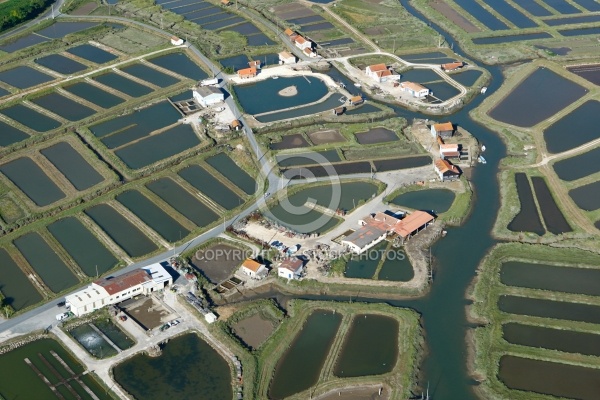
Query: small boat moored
x=481 y=160
x=483 y=147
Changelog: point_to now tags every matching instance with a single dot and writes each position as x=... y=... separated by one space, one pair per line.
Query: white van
x=62 y=316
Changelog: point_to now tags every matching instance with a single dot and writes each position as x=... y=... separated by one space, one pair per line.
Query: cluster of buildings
x=290 y=268
x=115 y=289
x=377 y=227
x=381 y=73
x=305 y=45
x=445 y=170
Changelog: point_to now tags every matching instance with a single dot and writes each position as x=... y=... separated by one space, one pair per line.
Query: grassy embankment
x=263 y=361
x=489 y=343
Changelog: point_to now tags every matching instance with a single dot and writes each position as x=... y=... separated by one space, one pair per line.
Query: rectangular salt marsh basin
x=230 y=170
x=31 y=179
x=553 y=339
x=123 y=84
x=158 y=147
x=18 y=291
x=527 y=219
x=72 y=164
x=208 y=184
x=61 y=29
x=579 y=166
x=308 y=158
x=180 y=64
x=94 y=94
x=45 y=262
x=153 y=216
x=183 y=201
x=92 y=341
x=61 y=64
x=549 y=309
x=23 y=77
x=114 y=333
x=121 y=230
x=150 y=75
x=63 y=106
x=23 y=42
x=10 y=135
x=86 y=249
x=553 y=217
x=92 y=53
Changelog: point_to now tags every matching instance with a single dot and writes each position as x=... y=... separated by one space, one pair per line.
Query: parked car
x=61 y=304
x=123 y=317
x=62 y=316
x=176 y=322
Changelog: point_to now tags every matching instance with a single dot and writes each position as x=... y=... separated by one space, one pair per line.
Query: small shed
x=339 y=110
x=254 y=64
x=443 y=130
x=210 y=318
x=225 y=2
x=254 y=269
x=286 y=58
x=247 y=73
x=175 y=41
x=236 y=125
x=356 y=100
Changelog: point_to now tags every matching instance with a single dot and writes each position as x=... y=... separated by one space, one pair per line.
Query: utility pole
x=394 y=49
x=53 y=11
x=161 y=22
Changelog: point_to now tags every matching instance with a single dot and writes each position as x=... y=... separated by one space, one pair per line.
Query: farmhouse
x=339 y=110
x=207 y=95
x=236 y=125
x=449 y=151
x=414 y=89
x=444 y=130
x=377 y=227
x=446 y=171
x=302 y=43
x=309 y=52
x=286 y=58
x=453 y=66
x=381 y=73
x=175 y=41
x=113 y=290
x=254 y=269
x=291 y=268
x=247 y=73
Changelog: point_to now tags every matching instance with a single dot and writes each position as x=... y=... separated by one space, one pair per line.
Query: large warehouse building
x=115 y=289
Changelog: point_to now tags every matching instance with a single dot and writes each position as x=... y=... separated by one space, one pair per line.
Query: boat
x=481 y=160
x=357 y=84
x=483 y=90
x=275 y=77
x=483 y=147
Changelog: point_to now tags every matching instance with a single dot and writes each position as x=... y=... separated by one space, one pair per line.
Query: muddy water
x=88 y=252
x=534 y=100
x=551 y=277
x=45 y=262
x=401 y=163
x=183 y=201
x=205 y=182
x=307 y=158
x=376 y=135
x=511 y=38
x=188 y=368
x=307 y=353
x=114 y=333
x=18 y=291
x=30 y=118
x=396 y=267
x=545 y=377
x=153 y=216
x=482 y=14
x=527 y=219
x=379 y=357
x=364 y=266
x=301 y=220
x=94 y=95
x=123 y=232
x=72 y=164
x=230 y=170
x=351 y=195
x=92 y=341
x=553 y=217
x=30 y=178
x=332 y=102
x=549 y=309
x=437 y=200
x=553 y=339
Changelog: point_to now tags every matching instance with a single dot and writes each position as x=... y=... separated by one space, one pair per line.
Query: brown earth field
x=253 y=330
x=443 y=8
x=328 y=136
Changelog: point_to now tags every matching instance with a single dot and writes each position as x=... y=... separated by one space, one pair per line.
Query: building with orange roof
x=453 y=66
x=247 y=73
x=254 y=64
x=381 y=73
x=254 y=269
x=225 y=2
x=309 y=52
x=415 y=89
x=288 y=32
x=377 y=227
x=444 y=130
x=445 y=170
x=286 y=57
x=450 y=150
x=175 y=41
x=356 y=100
x=303 y=43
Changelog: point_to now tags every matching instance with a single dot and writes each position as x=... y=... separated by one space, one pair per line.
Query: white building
x=381 y=73
x=210 y=318
x=414 y=89
x=443 y=130
x=287 y=58
x=291 y=268
x=302 y=43
x=175 y=41
x=254 y=269
x=115 y=289
x=207 y=95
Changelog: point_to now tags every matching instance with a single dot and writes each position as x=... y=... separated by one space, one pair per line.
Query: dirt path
x=349 y=27
x=546 y=158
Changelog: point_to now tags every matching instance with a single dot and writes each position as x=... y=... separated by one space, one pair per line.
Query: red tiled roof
x=452 y=65
x=446 y=126
x=377 y=67
x=288 y=32
x=247 y=71
x=444 y=166
x=123 y=282
x=412 y=222
x=293 y=264
x=254 y=63
x=251 y=265
x=300 y=40
x=413 y=86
